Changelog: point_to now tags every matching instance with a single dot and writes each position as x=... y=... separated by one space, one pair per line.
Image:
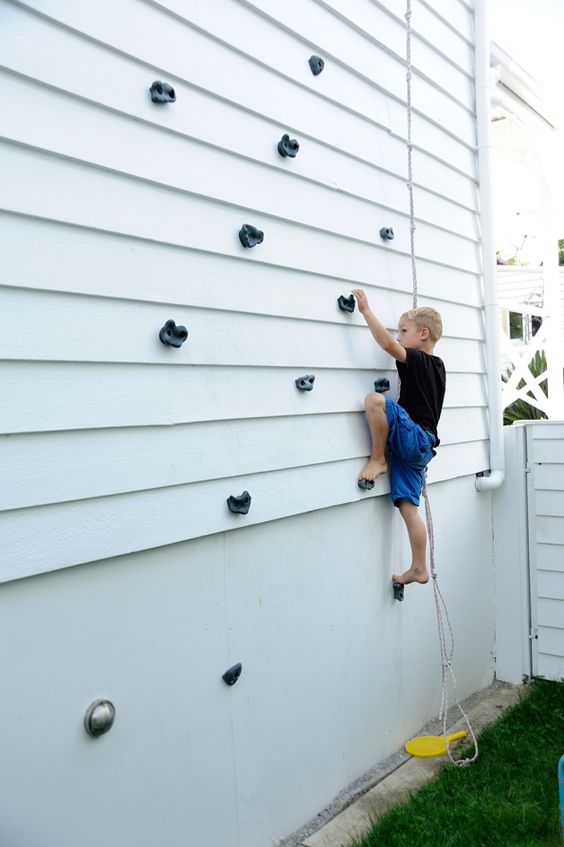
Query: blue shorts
x=409 y=451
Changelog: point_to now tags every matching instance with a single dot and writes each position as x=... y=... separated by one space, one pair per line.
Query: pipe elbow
x=491 y=482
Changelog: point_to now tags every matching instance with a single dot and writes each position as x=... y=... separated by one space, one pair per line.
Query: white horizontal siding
x=44 y=186
x=58 y=536
x=65 y=327
x=77 y=259
x=344 y=46
x=443 y=26
x=118 y=143
x=377 y=22
x=119 y=215
x=358 y=70
x=40 y=396
x=55 y=467
x=293 y=98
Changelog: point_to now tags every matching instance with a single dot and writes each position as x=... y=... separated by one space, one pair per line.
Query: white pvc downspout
x=491 y=310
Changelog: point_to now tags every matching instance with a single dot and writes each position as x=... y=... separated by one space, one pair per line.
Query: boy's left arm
x=378 y=330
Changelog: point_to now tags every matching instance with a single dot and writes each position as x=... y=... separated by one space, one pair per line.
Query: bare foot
x=420 y=575
x=374 y=468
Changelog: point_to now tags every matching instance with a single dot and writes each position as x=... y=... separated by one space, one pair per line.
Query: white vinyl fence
x=529 y=553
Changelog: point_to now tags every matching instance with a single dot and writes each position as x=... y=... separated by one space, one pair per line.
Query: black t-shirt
x=422 y=391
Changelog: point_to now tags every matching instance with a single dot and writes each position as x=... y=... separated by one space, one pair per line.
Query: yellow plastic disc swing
x=431 y=745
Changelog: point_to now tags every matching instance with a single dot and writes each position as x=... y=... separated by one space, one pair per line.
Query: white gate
x=529 y=553
x=545 y=506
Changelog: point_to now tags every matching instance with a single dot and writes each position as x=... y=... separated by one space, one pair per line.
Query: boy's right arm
x=378 y=330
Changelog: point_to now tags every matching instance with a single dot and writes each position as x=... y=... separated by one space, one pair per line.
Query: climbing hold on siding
x=387 y=233
x=347 y=304
x=99 y=717
x=172 y=335
x=232 y=674
x=162 y=92
x=366 y=484
x=288 y=146
x=305 y=383
x=398 y=590
x=316 y=64
x=239 y=505
x=381 y=385
x=249 y=235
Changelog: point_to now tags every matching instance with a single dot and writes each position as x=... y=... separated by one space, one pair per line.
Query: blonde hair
x=425 y=316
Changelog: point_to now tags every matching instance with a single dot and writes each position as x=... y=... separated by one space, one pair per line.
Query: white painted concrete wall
x=118 y=454
x=336 y=675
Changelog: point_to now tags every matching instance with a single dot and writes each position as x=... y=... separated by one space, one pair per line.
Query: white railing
x=518 y=356
x=533 y=292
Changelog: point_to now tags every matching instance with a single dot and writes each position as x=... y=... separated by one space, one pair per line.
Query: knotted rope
x=446 y=635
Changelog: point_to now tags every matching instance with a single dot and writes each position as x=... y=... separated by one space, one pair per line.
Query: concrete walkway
x=402 y=776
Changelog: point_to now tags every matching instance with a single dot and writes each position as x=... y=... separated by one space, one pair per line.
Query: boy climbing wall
x=406 y=432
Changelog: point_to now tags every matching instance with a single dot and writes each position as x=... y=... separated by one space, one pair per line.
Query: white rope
x=410 y=156
x=446 y=635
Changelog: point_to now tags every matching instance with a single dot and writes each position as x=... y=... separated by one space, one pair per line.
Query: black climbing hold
x=162 y=92
x=239 y=505
x=347 y=304
x=381 y=385
x=305 y=383
x=172 y=335
x=316 y=64
x=249 y=235
x=288 y=146
x=387 y=233
x=232 y=674
x=398 y=590
x=366 y=484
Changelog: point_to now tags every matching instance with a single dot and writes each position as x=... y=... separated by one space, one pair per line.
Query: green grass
x=507 y=798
